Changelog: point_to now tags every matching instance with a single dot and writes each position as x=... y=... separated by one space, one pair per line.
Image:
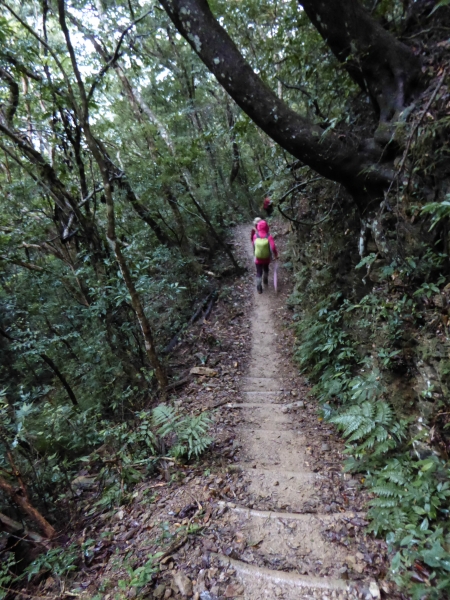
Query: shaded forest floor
x=167 y=540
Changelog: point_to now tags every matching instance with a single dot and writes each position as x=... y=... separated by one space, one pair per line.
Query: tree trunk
x=381 y=65
x=103 y=163
x=61 y=377
x=108 y=172
x=21 y=500
x=20 y=531
x=357 y=165
x=236 y=154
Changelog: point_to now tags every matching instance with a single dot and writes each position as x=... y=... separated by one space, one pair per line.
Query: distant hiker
x=268 y=206
x=255 y=223
x=264 y=249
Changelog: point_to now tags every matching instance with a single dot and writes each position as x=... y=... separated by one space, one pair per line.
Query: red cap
x=267 y=202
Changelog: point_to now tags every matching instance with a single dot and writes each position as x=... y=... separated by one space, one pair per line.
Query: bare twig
x=419 y=122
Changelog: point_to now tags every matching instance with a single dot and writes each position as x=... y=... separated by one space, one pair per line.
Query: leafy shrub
x=411 y=508
x=190 y=432
x=411 y=502
x=370 y=428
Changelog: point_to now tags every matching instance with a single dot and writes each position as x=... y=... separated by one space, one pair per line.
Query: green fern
x=371 y=424
x=189 y=433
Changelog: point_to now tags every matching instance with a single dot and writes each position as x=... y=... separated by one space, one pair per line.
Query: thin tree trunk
x=19 y=530
x=150 y=349
x=106 y=169
x=61 y=377
x=20 y=497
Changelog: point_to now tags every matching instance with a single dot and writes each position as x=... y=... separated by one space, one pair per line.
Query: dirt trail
x=285 y=554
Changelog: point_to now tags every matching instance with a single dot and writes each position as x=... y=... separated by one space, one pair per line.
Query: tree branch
x=44 y=44
x=305 y=92
x=355 y=165
x=13 y=95
x=61 y=377
x=111 y=62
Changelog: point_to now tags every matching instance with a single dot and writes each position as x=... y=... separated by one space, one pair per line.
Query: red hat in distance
x=267 y=202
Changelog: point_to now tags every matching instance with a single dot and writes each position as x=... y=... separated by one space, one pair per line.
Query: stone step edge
x=244 y=468
x=283 y=577
x=253 y=404
x=262 y=393
x=269 y=514
x=265 y=378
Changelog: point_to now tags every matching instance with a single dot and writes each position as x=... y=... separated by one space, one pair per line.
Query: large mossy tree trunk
x=387 y=69
x=380 y=64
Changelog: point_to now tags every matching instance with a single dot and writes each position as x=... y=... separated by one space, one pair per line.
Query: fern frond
x=384 y=502
x=165 y=418
x=383 y=413
x=388 y=490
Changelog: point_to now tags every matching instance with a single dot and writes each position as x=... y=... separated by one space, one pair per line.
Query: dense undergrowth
x=372 y=337
x=387 y=442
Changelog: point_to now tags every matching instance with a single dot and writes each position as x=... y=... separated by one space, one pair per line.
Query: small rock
x=84 y=481
x=207 y=596
x=359 y=568
x=374 y=590
x=325 y=447
x=232 y=590
x=132 y=593
x=359 y=556
x=159 y=591
x=184 y=584
x=167 y=593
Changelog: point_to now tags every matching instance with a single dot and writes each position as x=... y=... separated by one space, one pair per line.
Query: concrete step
x=275 y=397
x=266 y=448
x=289 y=540
x=262 y=583
x=275 y=406
x=276 y=487
x=269 y=384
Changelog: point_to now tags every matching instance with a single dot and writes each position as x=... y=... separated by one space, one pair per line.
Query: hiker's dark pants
x=260 y=269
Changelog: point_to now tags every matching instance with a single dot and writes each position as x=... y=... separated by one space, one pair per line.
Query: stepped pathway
x=286 y=555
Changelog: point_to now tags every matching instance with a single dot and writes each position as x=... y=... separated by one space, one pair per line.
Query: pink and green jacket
x=263 y=232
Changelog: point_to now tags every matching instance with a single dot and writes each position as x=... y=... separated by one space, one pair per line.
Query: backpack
x=262 y=247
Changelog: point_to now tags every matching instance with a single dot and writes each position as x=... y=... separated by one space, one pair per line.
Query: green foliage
x=440 y=4
x=139 y=577
x=438 y=210
x=7 y=575
x=370 y=427
x=411 y=509
x=59 y=561
x=190 y=432
x=349 y=350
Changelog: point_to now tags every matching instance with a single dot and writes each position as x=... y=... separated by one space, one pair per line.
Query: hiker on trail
x=255 y=223
x=268 y=206
x=264 y=249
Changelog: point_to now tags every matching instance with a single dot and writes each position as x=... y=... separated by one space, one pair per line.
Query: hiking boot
x=266 y=279
x=259 y=285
